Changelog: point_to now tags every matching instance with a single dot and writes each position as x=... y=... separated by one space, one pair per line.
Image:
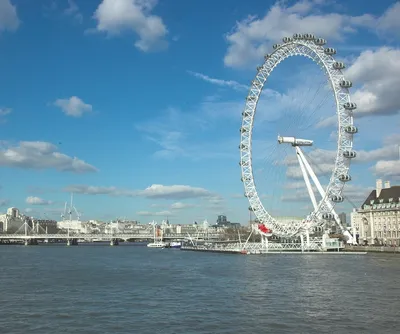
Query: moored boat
x=175 y=244
x=157 y=244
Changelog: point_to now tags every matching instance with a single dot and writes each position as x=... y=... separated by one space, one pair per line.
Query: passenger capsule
x=337 y=199
x=320 y=41
x=345 y=84
x=308 y=37
x=349 y=154
x=351 y=129
x=243 y=130
x=244 y=179
x=350 y=106
x=338 y=65
x=266 y=57
x=246 y=113
x=240 y=163
x=251 y=98
x=330 y=51
x=287 y=39
x=259 y=68
x=296 y=36
x=327 y=216
x=275 y=46
x=250 y=208
x=345 y=178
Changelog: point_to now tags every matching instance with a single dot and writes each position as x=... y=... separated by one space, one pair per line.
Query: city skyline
x=136 y=110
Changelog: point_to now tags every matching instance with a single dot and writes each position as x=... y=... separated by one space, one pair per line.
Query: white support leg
x=322 y=193
x=311 y=172
x=306 y=179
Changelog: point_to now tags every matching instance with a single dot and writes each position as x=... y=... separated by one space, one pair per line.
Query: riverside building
x=377 y=222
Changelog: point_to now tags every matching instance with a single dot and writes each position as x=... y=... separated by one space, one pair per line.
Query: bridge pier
x=114 y=242
x=72 y=242
x=30 y=242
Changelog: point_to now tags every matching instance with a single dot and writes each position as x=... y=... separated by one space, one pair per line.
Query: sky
x=135 y=105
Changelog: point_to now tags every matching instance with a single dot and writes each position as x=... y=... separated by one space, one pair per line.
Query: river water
x=130 y=289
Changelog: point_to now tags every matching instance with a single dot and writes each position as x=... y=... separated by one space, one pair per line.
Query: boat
x=158 y=243
x=175 y=244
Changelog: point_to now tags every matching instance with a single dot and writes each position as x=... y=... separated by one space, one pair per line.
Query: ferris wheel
x=306 y=45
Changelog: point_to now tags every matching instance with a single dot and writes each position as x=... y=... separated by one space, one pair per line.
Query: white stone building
x=377 y=222
x=72 y=225
x=11 y=221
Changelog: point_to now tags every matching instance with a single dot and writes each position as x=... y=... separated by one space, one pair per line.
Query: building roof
x=386 y=193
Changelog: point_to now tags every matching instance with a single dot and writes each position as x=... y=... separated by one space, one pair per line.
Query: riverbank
x=372 y=249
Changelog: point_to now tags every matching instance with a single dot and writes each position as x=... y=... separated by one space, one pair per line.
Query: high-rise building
x=343 y=219
x=221 y=220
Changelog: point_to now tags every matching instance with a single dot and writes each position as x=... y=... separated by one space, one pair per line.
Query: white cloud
x=351 y=192
x=322 y=162
x=216 y=202
x=158 y=213
x=388 y=168
x=8 y=16
x=327 y=122
x=180 y=206
x=324 y=159
x=96 y=190
x=388 y=23
x=5 y=111
x=73 y=106
x=73 y=11
x=384 y=153
x=174 y=192
x=32 y=200
x=219 y=82
x=294 y=172
x=251 y=38
x=40 y=155
x=115 y=16
x=379 y=91
x=155 y=191
x=388 y=164
x=173 y=132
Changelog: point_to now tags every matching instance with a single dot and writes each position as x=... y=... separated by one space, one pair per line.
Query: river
x=130 y=289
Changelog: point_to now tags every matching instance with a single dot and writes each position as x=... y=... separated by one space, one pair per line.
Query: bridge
x=113 y=238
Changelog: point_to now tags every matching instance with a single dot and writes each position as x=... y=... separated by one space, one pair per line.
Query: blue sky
x=137 y=107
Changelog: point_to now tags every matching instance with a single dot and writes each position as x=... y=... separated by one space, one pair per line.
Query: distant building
x=343 y=219
x=221 y=220
x=378 y=219
x=45 y=226
x=72 y=225
x=12 y=221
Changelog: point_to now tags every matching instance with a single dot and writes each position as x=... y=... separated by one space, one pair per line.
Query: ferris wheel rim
x=308 y=46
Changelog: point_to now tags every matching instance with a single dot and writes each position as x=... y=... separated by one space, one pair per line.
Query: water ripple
x=126 y=289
